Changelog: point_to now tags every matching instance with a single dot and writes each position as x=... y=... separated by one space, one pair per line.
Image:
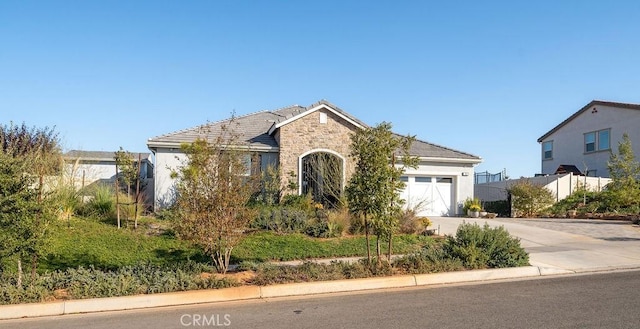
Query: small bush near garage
x=529 y=199
x=500 y=207
x=485 y=247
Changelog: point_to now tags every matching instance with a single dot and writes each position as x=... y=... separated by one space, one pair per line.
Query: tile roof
x=586 y=107
x=254 y=130
x=429 y=150
x=252 y=127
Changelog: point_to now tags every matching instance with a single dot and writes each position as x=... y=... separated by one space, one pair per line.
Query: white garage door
x=431 y=196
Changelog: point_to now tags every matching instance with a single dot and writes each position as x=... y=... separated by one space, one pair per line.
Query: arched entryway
x=322 y=176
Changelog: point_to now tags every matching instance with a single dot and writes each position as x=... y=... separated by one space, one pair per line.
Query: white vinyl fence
x=561 y=185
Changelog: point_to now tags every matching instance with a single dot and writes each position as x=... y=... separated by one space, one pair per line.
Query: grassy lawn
x=266 y=246
x=87 y=241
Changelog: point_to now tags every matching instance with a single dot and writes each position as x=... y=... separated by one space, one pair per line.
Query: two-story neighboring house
x=584 y=141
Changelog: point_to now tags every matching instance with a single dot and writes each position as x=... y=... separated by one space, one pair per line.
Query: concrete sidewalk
x=553 y=246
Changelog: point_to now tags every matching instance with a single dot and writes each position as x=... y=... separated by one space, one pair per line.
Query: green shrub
x=300 y=202
x=431 y=259
x=338 y=222
x=101 y=203
x=89 y=282
x=309 y=271
x=530 y=199
x=482 y=247
x=281 y=219
x=471 y=204
x=66 y=200
x=500 y=207
x=317 y=228
x=31 y=291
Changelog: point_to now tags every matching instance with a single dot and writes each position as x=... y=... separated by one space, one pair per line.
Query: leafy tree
x=26 y=153
x=22 y=231
x=38 y=147
x=373 y=190
x=213 y=190
x=625 y=172
x=530 y=199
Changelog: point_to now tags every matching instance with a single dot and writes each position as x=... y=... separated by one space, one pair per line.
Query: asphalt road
x=602 y=300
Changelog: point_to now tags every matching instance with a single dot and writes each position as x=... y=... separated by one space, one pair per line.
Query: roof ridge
x=285 y=117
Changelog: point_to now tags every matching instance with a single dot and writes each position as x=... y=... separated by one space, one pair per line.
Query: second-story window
x=547 y=150
x=597 y=141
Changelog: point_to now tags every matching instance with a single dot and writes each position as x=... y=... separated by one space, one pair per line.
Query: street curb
x=257 y=292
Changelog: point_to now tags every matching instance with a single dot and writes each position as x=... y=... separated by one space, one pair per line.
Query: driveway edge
x=76 y=306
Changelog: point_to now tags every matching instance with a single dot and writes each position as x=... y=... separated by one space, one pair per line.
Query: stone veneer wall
x=306 y=134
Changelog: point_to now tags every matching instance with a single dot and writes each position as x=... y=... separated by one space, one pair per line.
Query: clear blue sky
x=484 y=77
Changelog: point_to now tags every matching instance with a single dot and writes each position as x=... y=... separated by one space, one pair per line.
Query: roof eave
x=451 y=160
x=583 y=109
x=176 y=145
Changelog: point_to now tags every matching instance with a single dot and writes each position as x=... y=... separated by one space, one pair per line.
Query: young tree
x=625 y=172
x=128 y=175
x=128 y=171
x=373 y=190
x=213 y=189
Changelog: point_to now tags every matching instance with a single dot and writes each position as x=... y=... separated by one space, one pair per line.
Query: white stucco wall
x=568 y=141
x=167 y=161
x=88 y=173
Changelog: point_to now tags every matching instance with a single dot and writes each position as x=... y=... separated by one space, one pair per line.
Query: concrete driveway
x=577 y=245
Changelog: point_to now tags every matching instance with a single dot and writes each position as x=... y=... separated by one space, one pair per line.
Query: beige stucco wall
x=307 y=134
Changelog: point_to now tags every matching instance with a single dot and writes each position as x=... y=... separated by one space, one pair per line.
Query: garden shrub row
x=473 y=247
x=90 y=282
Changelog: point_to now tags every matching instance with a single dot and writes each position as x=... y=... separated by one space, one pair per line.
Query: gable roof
x=585 y=108
x=100 y=155
x=322 y=104
x=256 y=131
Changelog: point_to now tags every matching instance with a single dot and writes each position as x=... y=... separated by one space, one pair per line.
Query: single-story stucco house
x=291 y=138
